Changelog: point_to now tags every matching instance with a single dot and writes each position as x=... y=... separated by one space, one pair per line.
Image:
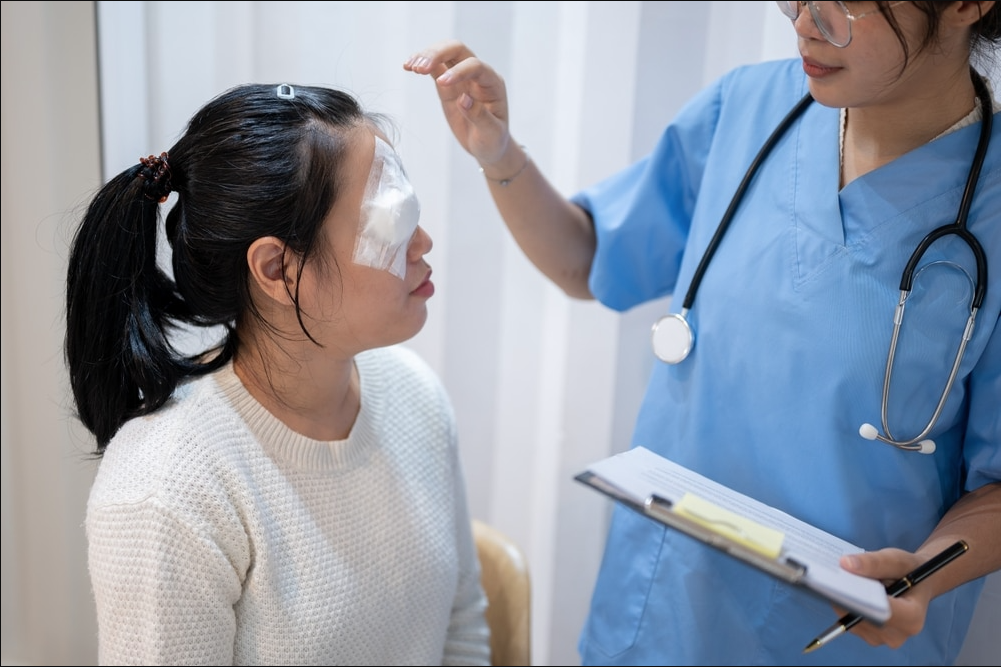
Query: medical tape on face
x=389 y=214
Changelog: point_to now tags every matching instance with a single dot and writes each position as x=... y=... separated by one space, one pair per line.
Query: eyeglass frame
x=812 y=5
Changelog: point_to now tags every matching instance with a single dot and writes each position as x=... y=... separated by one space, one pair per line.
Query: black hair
x=256 y=161
x=985 y=34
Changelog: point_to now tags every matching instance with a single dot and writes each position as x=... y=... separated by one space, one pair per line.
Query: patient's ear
x=266 y=260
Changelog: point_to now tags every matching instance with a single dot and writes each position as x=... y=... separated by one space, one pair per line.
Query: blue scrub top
x=792 y=327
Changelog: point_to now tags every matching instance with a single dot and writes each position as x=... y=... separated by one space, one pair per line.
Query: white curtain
x=542 y=384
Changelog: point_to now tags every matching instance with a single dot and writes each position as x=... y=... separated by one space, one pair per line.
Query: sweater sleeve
x=164 y=592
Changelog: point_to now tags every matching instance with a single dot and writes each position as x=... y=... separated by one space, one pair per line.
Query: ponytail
x=120 y=305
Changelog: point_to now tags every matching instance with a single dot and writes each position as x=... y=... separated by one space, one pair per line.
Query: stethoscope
x=672 y=337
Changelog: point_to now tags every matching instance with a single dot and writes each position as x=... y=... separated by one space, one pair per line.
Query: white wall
x=50 y=161
x=542 y=384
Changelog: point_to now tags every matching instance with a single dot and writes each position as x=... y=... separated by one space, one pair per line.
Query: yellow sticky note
x=751 y=534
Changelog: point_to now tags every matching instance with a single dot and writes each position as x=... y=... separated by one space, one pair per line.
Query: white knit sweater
x=219 y=536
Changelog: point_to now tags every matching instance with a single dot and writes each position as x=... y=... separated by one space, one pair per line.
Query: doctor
x=774 y=378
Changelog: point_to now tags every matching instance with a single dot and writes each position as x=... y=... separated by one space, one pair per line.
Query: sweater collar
x=288 y=446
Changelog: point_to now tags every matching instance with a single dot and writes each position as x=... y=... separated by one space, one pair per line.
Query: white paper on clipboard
x=653 y=485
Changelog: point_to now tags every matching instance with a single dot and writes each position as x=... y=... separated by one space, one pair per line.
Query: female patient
x=292 y=494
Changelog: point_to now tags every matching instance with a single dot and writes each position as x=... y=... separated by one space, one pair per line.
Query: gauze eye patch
x=389 y=214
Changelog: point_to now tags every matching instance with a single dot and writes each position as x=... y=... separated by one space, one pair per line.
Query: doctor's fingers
x=886 y=564
x=474 y=100
x=437 y=58
x=908 y=614
x=457 y=71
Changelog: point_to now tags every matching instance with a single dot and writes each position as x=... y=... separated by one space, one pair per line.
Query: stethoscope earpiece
x=869 y=432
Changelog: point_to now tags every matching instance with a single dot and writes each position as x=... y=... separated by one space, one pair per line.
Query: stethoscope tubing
x=738 y=196
x=672 y=337
x=957 y=228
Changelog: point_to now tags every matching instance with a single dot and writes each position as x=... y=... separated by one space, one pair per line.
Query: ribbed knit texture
x=219 y=536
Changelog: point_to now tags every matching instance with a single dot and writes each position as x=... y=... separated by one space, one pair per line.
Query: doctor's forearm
x=556 y=235
x=975 y=519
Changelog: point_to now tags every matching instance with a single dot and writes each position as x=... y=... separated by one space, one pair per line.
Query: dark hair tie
x=156 y=172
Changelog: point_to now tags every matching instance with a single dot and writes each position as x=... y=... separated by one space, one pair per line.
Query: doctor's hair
x=256 y=161
x=985 y=34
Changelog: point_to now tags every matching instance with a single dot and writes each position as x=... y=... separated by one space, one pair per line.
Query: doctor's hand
x=908 y=611
x=474 y=99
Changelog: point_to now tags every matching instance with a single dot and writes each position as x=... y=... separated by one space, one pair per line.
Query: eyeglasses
x=833 y=19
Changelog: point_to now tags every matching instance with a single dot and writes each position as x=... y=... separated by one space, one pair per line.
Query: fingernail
x=851 y=561
x=465 y=101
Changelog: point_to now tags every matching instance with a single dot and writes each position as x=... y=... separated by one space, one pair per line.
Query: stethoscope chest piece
x=672 y=338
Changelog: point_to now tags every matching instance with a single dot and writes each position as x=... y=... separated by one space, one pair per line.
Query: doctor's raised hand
x=463 y=78
x=873 y=170
x=556 y=235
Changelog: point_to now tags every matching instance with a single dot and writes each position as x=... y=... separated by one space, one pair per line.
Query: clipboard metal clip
x=714 y=526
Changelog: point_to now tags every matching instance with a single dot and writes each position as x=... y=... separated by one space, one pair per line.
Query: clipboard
x=761 y=536
x=662 y=510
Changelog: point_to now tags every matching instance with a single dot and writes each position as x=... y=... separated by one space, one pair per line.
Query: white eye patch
x=389 y=214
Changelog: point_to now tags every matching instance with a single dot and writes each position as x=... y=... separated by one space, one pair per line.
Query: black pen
x=896 y=589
